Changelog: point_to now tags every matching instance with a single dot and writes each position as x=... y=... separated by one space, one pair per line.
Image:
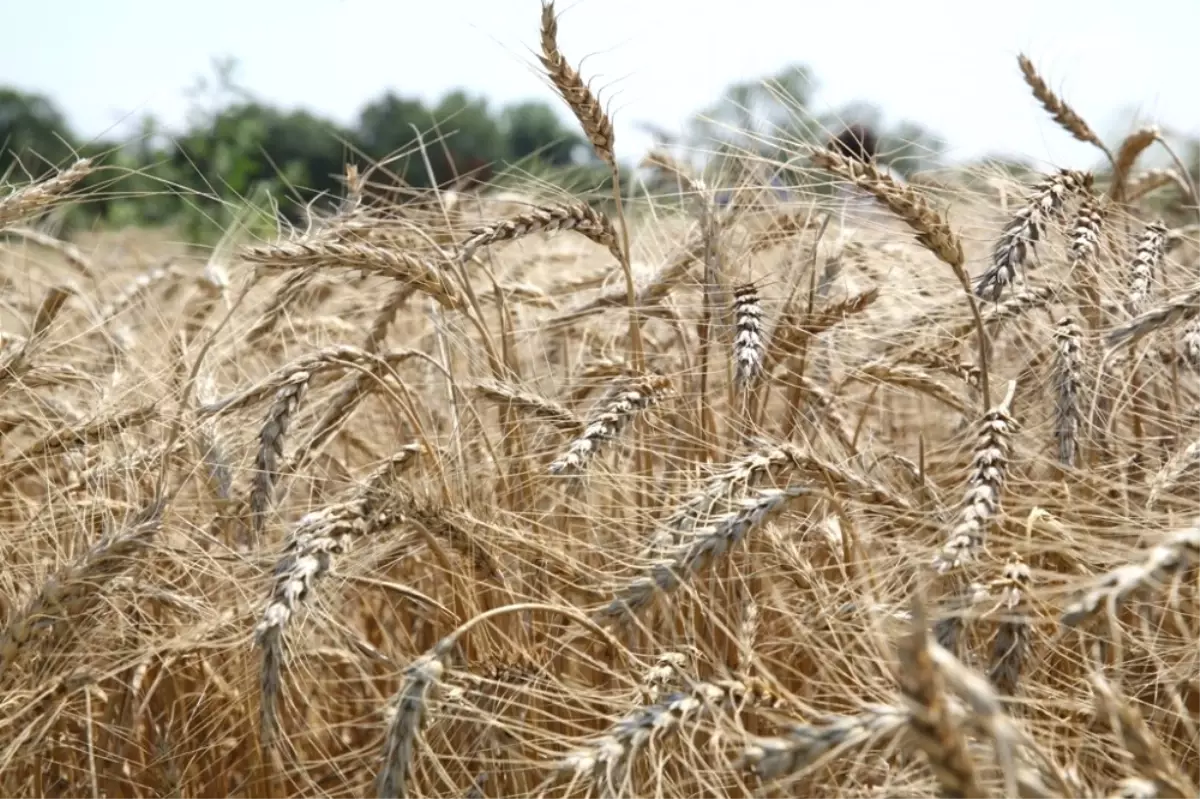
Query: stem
x=1184 y=171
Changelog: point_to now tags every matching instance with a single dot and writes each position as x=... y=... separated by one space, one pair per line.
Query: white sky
x=949 y=65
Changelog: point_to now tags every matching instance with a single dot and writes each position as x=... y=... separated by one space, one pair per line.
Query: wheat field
x=528 y=494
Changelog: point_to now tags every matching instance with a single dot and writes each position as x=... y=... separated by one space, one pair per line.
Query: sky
x=950 y=66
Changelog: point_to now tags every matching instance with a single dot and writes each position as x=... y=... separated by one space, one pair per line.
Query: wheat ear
x=935 y=732
x=28 y=200
x=1063 y=114
x=1180 y=308
x=579 y=217
x=932 y=229
x=532 y=404
x=67 y=594
x=618 y=412
x=1068 y=377
x=984 y=486
x=308 y=556
x=323 y=254
x=1173 y=473
x=749 y=349
x=1127 y=154
x=1135 y=736
x=1014 y=633
x=1026 y=228
x=587 y=109
x=1151 y=246
x=708 y=544
x=1176 y=552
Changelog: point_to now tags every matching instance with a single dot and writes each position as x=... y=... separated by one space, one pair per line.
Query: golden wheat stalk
x=1063 y=114
x=1151 y=246
x=1176 y=552
x=1027 y=227
x=619 y=411
x=308 y=555
x=1068 y=378
x=27 y=201
x=985 y=484
x=579 y=217
x=749 y=348
x=371 y=258
x=587 y=109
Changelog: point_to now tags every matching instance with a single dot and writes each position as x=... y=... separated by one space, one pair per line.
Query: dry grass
x=490 y=520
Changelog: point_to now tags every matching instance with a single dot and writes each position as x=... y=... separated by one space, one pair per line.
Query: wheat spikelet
x=1190 y=344
x=137 y=289
x=619 y=411
x=371 y=258
x=1180 y=308
x=1145 y=749
x=1173 y=473
x=1063 y=114
x=308 y=555
x=63 y=439
x=1152 y=180
x=985 y=483
x=1127 y=154
x=533 y=404
x=657 y=159
x=909 y=377
x=652 y=293
x=27 y=201
x=294 y=283
x=1013 y=635
x=1150 y=248
x=807 y=744
x=769 y=461
x=313 y=363
x=67 y=594
x=935 y=731
x=270 y=444
x=707 y=545
x=933 y=231
x=606 y=758
x=793 y=330
x=420 y=677
x=1176 y=552
x=358 y=387
x=596 y=124
x=578 y=217
x=1068 y=377
x=1027 y=227
x=69 y=252
x=749 y=349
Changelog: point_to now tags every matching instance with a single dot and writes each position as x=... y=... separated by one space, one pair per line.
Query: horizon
x=133 y=51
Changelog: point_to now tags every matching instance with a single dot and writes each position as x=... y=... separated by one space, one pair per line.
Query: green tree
x=34 y=135
x=387 y=132
x=534 y=130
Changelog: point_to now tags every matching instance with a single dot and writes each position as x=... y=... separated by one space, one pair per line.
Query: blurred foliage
x=236 y=152
x=239 y=159
x=765 y=120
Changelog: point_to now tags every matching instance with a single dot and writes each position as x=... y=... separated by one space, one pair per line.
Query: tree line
x=236 y=150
